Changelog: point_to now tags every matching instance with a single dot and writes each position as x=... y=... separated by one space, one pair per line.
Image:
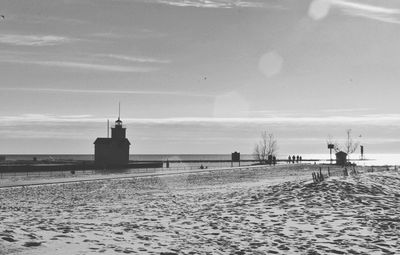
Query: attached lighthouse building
x=112 y=151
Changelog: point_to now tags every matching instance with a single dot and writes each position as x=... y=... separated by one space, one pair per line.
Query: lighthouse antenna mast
x=108 y=128
x=119 y=110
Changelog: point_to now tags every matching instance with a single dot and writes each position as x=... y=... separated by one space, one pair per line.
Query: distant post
x=330 y=147
x=362 y=151
x=235 y=157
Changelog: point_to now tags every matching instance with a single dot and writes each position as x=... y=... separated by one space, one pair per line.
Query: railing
x=332 y=170
x=11 y=176
x=317 y=173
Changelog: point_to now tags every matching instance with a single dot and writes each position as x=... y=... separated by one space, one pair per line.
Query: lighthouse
x=113 y=151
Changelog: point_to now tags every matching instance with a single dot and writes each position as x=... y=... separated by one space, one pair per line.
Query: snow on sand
x=228 y=212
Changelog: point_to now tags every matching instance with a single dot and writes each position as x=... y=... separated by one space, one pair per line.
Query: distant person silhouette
x=293 y=158
x=297 y=159
x=270 y=158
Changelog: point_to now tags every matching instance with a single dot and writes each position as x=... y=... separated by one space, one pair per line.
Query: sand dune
x=275 y=211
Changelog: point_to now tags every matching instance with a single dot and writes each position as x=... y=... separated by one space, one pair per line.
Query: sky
x=199 y=76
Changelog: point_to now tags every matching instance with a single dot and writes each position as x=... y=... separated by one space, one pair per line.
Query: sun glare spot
x=270 y=64
x=319 y=9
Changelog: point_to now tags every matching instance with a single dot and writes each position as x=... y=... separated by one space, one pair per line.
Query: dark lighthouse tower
x=113 y=151
x=118 y=131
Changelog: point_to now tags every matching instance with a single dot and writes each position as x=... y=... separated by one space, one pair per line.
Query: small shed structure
x=341 y=158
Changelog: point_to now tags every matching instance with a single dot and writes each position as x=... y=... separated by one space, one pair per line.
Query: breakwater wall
x=31 y=167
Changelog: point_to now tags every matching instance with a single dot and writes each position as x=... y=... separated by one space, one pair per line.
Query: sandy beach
x=271 y=211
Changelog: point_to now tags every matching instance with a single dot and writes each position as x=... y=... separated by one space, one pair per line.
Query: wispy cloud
x=291 y=129
x=314 y=113
x=371 y=120
x=213 y=3
x=84 y=66
x=320 y=9
x=40 y=19
x=33 y=40
x=135 y=59
x=33 y=117
x=136 y=34
x=123 y=92
x=385 y=14
x=346 y=110
x=91 y=62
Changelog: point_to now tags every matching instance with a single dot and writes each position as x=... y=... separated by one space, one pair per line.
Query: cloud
x=45 y=118
x=319 y=9
x=369 y=11
x=213 y=3
x=33 y=40
x=135 y=34
x=124 y=92
x=315 y=113
x=40 y=19
x=84 y=66
x=291 y=130
x=135 y=59
x=371 y=120
x=92 y=62
x=347 y=110
x=46 y=126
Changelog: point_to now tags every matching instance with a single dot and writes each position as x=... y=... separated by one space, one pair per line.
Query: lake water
x=373 y=159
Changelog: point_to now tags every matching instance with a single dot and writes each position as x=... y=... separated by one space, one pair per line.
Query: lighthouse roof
x=101 y=140
x=341 y=153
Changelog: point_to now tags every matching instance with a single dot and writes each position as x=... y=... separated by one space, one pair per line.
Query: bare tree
x=349 y=146
x=267 y=146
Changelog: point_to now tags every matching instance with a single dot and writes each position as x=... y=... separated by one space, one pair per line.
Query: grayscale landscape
x=199 y=127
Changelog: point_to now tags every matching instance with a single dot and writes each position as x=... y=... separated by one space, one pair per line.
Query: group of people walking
x=294 y=159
